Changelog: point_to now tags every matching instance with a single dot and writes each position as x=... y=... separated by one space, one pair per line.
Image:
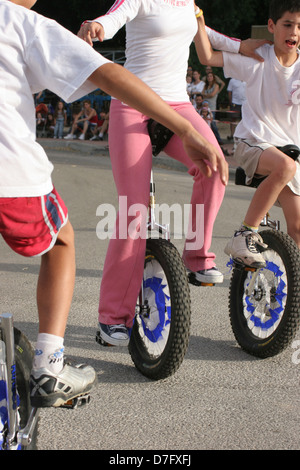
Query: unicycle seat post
x=152 y=204
x=152 y=224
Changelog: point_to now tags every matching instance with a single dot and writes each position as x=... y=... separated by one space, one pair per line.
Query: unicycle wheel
x=160 y=334
x=266 y=320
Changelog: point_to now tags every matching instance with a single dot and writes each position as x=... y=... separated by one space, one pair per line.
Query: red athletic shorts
x=30 y=225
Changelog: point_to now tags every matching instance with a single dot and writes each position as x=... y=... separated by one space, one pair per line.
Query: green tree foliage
x=235 y=18
x=230 y=17
x=71 y=13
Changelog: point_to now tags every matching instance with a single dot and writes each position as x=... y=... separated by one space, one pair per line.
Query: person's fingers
x=90 y=31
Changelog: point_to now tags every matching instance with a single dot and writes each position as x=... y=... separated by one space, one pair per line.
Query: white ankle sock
x=49 y=352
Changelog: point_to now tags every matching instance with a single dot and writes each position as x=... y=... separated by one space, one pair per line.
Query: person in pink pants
x=124 y=263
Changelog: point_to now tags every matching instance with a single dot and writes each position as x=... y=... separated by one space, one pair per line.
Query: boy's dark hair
x=278 y=8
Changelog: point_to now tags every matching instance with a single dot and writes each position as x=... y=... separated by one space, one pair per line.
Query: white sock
x=49 y=352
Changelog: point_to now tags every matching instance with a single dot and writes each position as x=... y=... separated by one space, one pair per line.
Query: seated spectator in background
x=60 y=120
x=40 y=124
x=49 y=126
x=102 y=127
x=86 y=120
x=43 y=109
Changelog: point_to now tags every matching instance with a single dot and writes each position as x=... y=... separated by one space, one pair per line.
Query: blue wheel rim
x=263 y=316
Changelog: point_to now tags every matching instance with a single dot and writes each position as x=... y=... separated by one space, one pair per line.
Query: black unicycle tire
x=170 y=359
x=283 y=335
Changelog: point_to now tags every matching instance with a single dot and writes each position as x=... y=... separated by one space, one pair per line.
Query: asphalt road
x=220 y=398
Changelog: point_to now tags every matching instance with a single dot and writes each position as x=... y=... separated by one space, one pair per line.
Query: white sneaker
x=81 y=137
x=48 y=389
x=245 y=247
x=70 y=136
x=208 y=276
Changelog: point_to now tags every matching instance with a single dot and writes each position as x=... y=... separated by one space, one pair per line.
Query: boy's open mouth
x=291 y=43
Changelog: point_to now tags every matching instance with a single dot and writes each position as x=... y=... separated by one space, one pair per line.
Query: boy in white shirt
x=271 y=119
x=35 y=54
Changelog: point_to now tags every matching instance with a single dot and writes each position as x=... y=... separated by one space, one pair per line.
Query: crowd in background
x=204 y=93
x=57 y=119
x=88 y=119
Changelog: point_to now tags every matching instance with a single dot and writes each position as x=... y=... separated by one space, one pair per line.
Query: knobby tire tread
x=290 y=322
x=172 y=357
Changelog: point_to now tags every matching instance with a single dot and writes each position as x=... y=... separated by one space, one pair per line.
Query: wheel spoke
x=264 y=306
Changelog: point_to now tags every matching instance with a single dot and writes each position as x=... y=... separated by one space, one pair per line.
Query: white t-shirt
x=158 y=37
x=197 y=87
x=271 y=113
x=35 y=54
x=238 y=90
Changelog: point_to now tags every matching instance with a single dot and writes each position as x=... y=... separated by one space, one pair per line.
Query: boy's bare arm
x=208 y=56
x=123 y=85
x=205 y=52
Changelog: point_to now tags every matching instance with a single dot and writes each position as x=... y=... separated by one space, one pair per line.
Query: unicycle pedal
x=77 y=402
x=193 y=280
x=243 y=267
x=101 y=341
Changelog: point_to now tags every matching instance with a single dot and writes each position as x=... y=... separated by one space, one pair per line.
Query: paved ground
x=220 y=398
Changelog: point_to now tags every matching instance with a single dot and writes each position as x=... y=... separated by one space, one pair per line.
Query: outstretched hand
x=207 y=157
x=90 y=31
x=249 y=46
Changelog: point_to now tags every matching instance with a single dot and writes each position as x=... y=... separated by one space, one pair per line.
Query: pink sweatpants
x=131 y=159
